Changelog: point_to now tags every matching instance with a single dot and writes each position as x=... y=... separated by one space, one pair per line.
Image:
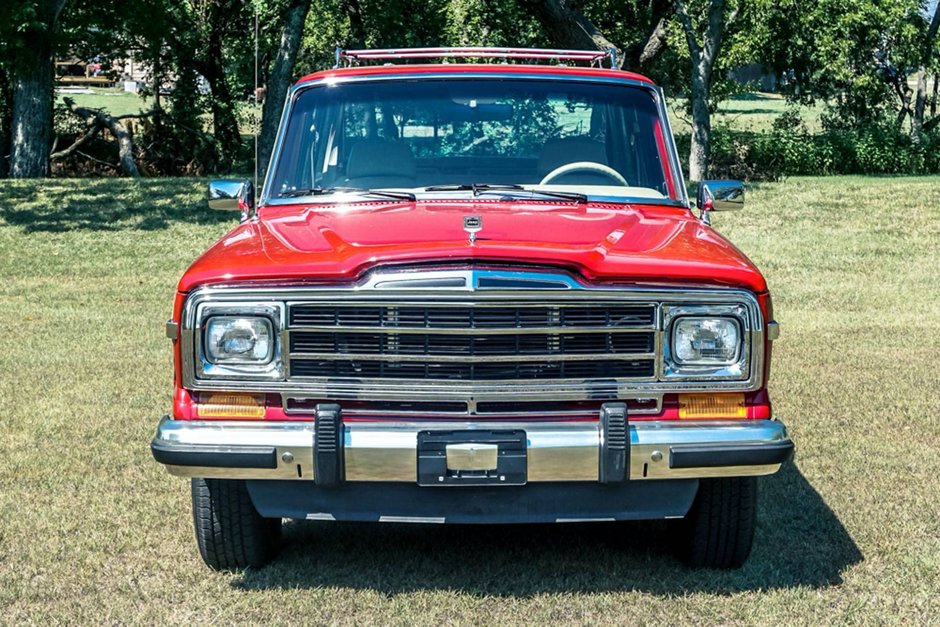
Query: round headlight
x=706 y=341
x=236 y=339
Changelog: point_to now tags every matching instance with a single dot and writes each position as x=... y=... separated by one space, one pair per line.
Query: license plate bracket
x=472 y=458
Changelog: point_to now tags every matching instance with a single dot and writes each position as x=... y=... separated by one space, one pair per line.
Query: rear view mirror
x=232 y=196
x=719 y=196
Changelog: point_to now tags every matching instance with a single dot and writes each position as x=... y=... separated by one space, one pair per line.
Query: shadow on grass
x=754 y=96
x=105 y=204
x=747 y=111
x=799 y=542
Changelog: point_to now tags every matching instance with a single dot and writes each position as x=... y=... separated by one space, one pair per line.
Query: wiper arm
x=479 y=188
x=385 y=193
x=476 y=188
x=320 y=191
x=572 y=196
x=306 y=191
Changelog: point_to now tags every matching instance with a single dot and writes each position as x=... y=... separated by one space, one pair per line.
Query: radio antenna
x=258 y=120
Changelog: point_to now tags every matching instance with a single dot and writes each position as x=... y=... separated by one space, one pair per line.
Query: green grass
x=114 y=101
x=745 y=112
x=93 y=530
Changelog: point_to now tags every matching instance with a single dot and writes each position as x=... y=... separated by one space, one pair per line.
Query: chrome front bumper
x=386 y=451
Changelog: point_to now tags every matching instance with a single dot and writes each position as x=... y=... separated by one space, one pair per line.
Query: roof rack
x=591 y=57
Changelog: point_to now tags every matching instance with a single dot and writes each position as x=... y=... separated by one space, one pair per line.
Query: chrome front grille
x=472 y=342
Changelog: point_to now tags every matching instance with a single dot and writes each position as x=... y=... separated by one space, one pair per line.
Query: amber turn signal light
x=228 y=405
x=712 y=406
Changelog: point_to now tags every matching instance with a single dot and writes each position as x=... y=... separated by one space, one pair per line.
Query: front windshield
x=596 y=139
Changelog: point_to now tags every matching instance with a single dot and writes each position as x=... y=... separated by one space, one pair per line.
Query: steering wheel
x=584 y=166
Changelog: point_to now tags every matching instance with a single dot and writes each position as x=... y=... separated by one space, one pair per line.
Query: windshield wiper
x=480 y=188
x=306 y=191
x=320 y=191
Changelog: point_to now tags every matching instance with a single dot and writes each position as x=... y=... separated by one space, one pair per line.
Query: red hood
x=600 y=241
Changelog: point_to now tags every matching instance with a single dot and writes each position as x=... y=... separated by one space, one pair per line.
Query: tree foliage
x=857 y=56
x=854 y=54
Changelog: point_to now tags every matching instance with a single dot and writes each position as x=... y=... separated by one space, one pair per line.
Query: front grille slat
x=469 y=345
x=412 y=340
x=469 y=317
x=481 y=371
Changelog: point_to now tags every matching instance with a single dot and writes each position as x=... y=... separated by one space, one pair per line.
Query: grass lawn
x=93 y=530
x=113 y=100
x=745 y=112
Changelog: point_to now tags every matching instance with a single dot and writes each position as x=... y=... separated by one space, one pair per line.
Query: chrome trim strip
x=438 y=390
x=421 y=520
x=350 y=198
x=383 y=450
x=469 y=331
x=648 y=406
x=397 y=357
x=673 y=151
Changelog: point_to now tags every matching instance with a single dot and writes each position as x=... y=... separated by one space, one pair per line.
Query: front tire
x=230 y=532
x=719 y=529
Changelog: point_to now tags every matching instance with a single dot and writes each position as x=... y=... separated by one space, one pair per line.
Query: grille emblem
x=473 y=225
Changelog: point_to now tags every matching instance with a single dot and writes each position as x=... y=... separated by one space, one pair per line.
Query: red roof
x=476 y=68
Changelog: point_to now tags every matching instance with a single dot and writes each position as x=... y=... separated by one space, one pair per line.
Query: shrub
x=790 y=150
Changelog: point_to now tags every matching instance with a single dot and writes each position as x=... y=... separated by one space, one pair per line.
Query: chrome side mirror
x=719 y=196
x=232 y=196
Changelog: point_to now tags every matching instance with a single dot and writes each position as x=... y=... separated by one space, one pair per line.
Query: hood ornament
x=473 y=225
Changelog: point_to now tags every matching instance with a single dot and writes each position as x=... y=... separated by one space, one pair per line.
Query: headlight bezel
x=270 y=369
x=738 y=369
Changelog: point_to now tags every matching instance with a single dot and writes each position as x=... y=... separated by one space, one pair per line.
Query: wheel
x=230 y=532
x=719 y=529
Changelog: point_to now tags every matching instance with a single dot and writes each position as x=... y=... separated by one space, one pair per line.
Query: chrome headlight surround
x=738 y=369
x=272 y=368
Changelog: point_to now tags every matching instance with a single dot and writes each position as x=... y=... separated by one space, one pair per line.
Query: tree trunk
x=224 y=122
x=700 y=152
x=920 y=104
x=703 y=62
x=280 y=79
x=920 y=100
x=157 y=79
x=6 y=119
x=654 y=45
x=933 y=103
x=356 y=25
x=567 y=27
x=33 y=82
x=641 y=54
